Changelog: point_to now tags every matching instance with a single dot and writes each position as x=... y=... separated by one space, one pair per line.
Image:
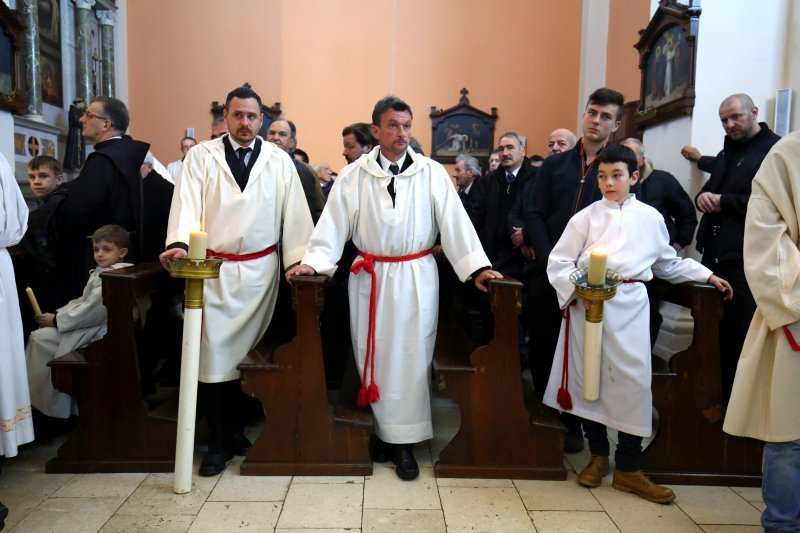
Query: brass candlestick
x=593 y=329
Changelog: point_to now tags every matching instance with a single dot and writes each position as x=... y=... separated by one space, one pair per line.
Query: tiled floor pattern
x=381 y=502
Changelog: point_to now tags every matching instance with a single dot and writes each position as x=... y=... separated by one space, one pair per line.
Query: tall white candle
x=592 y=342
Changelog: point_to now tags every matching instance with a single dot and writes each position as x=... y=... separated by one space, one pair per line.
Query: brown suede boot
x=592 y=475
x=638 y=483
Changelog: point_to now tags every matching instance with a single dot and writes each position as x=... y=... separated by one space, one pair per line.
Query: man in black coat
x=465 y=173
x=491 y=202
x=723 y=202
x=566 y=183
x=107 y=191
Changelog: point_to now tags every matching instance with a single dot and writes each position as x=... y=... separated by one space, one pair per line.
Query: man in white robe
x=764 y=402
x=393 y=202
x=249 y=197
x=637 y=242
x=16 y=424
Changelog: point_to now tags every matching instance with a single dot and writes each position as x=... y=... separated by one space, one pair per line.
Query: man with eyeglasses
x=566 y=183
x=108 y=190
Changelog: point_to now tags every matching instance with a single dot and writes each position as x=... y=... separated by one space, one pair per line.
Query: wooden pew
x=689 y=446
x=303 y=435
x=116 y=431
x=505 y=432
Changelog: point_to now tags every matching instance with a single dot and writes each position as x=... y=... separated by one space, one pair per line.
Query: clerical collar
x=385 y=163
x=236 y=145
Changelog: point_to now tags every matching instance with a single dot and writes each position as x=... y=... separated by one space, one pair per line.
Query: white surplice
x=80 y=322
x=272 y=208
x=360 y=207
x=16 y=425
x=637 y=242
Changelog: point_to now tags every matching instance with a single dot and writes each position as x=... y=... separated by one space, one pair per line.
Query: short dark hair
x=189 y=139
x=496 y=150
x=116 y=111
x=606 y=96
x=45 y=161
x=302 y=153
x=112 y=233
x=536 y=158
x=360 y=130
x=619 y=153
x=244 y=92
x=386 y=103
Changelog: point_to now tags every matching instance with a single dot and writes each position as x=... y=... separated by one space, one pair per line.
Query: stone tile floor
x=381 y=502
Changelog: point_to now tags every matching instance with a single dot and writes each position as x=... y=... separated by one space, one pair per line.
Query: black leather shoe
x=380 y=451
x=214 y=463
x=3 y=516
x=240 y=444
x=406 y=466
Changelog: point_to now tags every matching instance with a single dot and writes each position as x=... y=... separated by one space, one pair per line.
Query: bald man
x=560 y=140
x=723 y=202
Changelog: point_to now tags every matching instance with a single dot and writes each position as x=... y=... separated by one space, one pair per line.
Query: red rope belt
x=370 y=394
x=242 y=257
x=563 y=397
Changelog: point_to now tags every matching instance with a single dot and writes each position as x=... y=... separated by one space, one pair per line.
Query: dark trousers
x=223 y=405
x=629 y=448
x=736 y=316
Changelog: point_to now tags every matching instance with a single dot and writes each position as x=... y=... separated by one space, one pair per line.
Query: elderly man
x=393 y=202
x=283 y=134
x=357 y=140
x=249 y=197
x=492 y=200
x=723 y=202
x=560 y=140
x=107 y=191
x=175 y=167
x=466 y=171
x=764 y=403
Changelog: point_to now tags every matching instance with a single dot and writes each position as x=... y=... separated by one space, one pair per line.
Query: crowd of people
x=377 y=227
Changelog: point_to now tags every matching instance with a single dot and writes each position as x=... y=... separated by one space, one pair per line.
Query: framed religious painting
x=462 y=129
x=667 y=61
x=50 y=51
x=11 y=96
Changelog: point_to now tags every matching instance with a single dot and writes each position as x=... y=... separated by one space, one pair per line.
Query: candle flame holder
x=194 y=271
x=595 y=293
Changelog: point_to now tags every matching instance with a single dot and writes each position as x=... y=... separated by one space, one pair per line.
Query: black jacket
x=560 y=191
x=720 y=236
x=157 y=203
x=107 y=191
x=491 y=199
x=662 y=191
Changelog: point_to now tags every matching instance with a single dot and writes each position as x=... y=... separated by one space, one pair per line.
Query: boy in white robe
x=77 y=324
x=393 y=202
x=637 y=242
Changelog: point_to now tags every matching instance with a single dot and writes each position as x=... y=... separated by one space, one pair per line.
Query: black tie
x=509 y=180
x=241 y=153
x=394 y=169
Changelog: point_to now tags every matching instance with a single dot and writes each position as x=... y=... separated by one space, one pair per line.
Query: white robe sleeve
x=187 y=199
x=564 y=257
x=670 y=267
x=460 y=242
x=86 y=311
x=335 y=225
x=13 y=210
x=297 y=222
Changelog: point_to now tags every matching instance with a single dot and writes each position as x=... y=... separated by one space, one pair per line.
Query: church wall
x=625 y=19
x=328 y=62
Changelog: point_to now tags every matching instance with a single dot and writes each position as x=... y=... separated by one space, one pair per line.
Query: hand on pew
x=480 y=281
x=299 y=270
x=178 y=253
x=723 y=286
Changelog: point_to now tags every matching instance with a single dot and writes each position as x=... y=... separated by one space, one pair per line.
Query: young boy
x=46 y=178
x=637 y=242
x=80 y=322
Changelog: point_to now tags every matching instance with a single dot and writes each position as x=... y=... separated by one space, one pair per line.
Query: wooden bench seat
x=505 y=432
x=303 y=435
x=115 y=432
x=689 y=446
